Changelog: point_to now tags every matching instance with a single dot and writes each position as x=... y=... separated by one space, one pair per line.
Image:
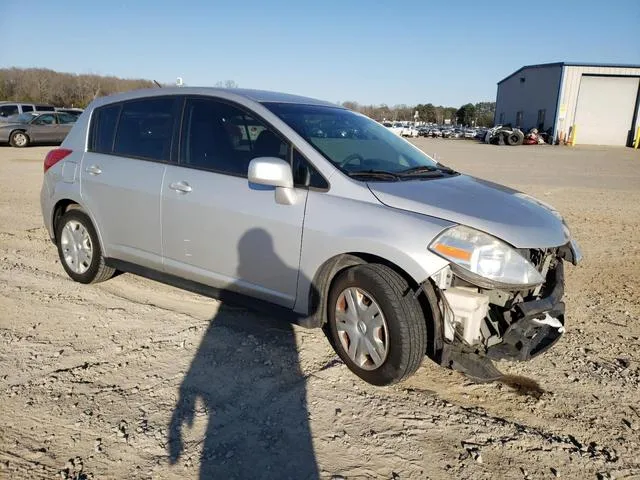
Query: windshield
x=22 y=118
x=352 y=142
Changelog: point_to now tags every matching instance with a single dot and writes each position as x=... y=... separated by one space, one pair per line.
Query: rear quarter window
x=103 y=128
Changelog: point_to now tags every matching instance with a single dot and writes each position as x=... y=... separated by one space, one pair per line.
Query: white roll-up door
x=604 y=112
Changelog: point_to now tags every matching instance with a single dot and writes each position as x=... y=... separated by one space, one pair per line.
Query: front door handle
x=94 y=170
x=183 y=187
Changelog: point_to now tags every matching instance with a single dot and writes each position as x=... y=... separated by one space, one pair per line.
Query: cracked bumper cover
x=536 y=326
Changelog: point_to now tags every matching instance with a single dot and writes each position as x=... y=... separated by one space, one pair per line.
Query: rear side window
x=44 y=108
x=145 y=128
x=27 y=108
x=8 y=110
x=103 y=128
x=66 y=118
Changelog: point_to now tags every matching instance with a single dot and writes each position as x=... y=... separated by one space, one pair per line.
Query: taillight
x=54 y=156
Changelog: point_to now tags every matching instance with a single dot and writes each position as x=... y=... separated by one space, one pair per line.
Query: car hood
x=502 y=212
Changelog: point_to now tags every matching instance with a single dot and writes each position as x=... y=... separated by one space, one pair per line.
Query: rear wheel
x=79 y=248
x=19 y=139
x=376 y=325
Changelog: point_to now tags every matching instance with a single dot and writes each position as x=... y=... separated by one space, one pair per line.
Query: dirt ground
x=135 y=379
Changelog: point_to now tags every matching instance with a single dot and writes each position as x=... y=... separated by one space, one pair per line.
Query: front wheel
x=19 y=139
x=79 y=248
x=376 y=325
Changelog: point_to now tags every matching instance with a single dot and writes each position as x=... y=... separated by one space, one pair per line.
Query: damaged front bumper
x=515 y=329
x=535 y=326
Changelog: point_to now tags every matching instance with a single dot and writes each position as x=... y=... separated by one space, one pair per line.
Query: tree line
x=479 y=114
x=61 y=89
x=70 y=90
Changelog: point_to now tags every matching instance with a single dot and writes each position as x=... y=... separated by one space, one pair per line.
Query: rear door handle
x=183 y=187
x=94 y=170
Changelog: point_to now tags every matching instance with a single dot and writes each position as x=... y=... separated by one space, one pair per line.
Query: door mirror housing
x=271 y=171
x=274 y=172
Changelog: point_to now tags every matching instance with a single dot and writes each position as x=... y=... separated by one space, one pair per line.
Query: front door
x=44 y=128
x=219 y=229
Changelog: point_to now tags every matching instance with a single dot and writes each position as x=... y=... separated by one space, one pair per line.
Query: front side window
x=8 y=110
x=47 y=119
x=145 y=128
x=352 y=142
x=223 y=138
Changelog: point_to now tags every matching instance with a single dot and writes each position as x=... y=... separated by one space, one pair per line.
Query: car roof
x=260 y=96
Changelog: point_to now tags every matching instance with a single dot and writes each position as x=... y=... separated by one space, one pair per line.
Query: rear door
x=219 y=229
x=65 y=122
x=121 y=174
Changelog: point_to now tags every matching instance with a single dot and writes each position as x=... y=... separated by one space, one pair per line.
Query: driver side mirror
x=274 y=172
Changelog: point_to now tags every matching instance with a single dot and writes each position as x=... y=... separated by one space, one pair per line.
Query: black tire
x=515 y=138
x=97 y=271
x=19 y=139
x=405 y=321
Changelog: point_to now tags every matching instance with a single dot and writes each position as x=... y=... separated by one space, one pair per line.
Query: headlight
x=484 y=260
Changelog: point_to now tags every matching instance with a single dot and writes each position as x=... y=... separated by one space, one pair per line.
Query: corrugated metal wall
x=538 y=91
x=571 y=87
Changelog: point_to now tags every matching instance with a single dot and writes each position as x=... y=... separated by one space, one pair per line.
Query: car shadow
x=246 y=378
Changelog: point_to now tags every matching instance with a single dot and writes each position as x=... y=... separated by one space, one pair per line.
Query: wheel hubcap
x=362 y=328
x=20 y=139
x=77 y=249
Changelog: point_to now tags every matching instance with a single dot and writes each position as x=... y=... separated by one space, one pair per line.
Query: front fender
x=335 y=226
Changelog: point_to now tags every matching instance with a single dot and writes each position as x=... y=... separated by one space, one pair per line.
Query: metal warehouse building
x=598 y=101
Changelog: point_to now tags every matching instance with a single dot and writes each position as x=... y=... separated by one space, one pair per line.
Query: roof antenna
x=157 y=84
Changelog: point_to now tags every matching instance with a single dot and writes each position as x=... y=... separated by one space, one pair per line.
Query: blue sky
x=369 y=51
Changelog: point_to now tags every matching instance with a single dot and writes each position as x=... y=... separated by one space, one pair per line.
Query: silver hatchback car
x=309 y=210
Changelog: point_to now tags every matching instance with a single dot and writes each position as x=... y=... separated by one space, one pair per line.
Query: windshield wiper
x=382 y=174
x=423 y=171
x=445 y=169
x=427 y=171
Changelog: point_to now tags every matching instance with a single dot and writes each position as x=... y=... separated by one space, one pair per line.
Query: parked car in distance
x=395 y=255
x=8 y=109
x=409 y=131
x=31 y=128
x=73 y=111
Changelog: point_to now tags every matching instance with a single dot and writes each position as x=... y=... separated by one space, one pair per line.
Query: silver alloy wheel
x=77 y=249
x=362 y=328
x=20 y=139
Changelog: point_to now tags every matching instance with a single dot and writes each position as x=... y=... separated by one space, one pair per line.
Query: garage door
x=605 y=110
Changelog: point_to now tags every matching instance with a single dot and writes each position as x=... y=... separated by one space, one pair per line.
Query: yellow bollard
x=573 y=135
x=636 y=142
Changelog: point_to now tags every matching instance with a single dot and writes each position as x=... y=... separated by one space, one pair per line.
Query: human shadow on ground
x=246 y=378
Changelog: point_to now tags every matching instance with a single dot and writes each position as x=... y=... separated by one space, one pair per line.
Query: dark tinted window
x=145 y=128
x=45 y=108
x=103 y=128
x=305 y=175
x=220 y=137
x=8 y=110
x=66 y=118
x=46 y=119
x=27 y=108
